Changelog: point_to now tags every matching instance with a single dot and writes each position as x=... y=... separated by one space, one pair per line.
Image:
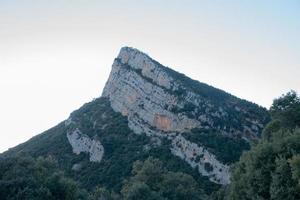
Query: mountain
x=147 y=109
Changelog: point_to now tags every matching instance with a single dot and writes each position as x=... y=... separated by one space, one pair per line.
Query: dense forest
x=269 y=170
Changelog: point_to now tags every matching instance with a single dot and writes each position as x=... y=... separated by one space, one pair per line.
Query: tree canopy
x=36 y=179
x=271 y=169
x=151 y=180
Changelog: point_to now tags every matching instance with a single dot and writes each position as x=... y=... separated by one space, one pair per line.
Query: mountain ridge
x=134 y=61
x=183 y=76
x=154 y=101
x=147 y=109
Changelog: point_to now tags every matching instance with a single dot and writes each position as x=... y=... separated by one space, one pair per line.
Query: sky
x=56 y=55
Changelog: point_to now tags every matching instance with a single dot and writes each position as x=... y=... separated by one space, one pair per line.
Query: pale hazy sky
x=56 y=55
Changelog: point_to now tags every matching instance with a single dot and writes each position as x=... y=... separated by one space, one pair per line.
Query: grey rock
x=157 y=104
x=197 y=156
x=142 y=90
x=81 y=143
x=76 y=167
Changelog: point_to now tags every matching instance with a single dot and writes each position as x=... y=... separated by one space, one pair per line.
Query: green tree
x=100 y=193
x=177 y=186
x=285 y=114
x=62 y=187
x=37 y=179
x=150 y=172
x=151 y=180
x=270 y=170
x=295 y=165
x=260 y=175
x=282 y=185
x=138 y=190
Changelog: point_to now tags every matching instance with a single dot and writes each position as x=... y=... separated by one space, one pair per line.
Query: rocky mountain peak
x=141 y=62
x=134 y=82
x=135 y=58
x=165 y=104
x=149 y=110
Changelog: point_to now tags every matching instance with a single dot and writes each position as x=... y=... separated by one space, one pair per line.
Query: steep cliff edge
x=156 y=97
x=165 y=104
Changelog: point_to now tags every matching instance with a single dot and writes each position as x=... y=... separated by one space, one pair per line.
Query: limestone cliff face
x=162 y=103
x=82 y=143
x=137 y=88
x=198 y=156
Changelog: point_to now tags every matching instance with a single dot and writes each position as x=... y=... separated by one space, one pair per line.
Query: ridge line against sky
x=56 y=55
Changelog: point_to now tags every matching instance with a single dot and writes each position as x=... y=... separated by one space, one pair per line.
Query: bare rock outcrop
x=164 y=104
x=82 y=143
x=158 y=104
x=198 y=157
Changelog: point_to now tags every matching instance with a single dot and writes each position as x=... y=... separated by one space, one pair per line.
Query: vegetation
x=285 y=113
x=40 y=179
x=226 y=149
x=36 y=179
x=271 y=169
x=151 y=180
x=135 y=167
x=122 y=149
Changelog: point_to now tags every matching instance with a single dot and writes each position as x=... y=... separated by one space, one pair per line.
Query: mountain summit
x=147 y=109
x=155 y=97
x=162 y=103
